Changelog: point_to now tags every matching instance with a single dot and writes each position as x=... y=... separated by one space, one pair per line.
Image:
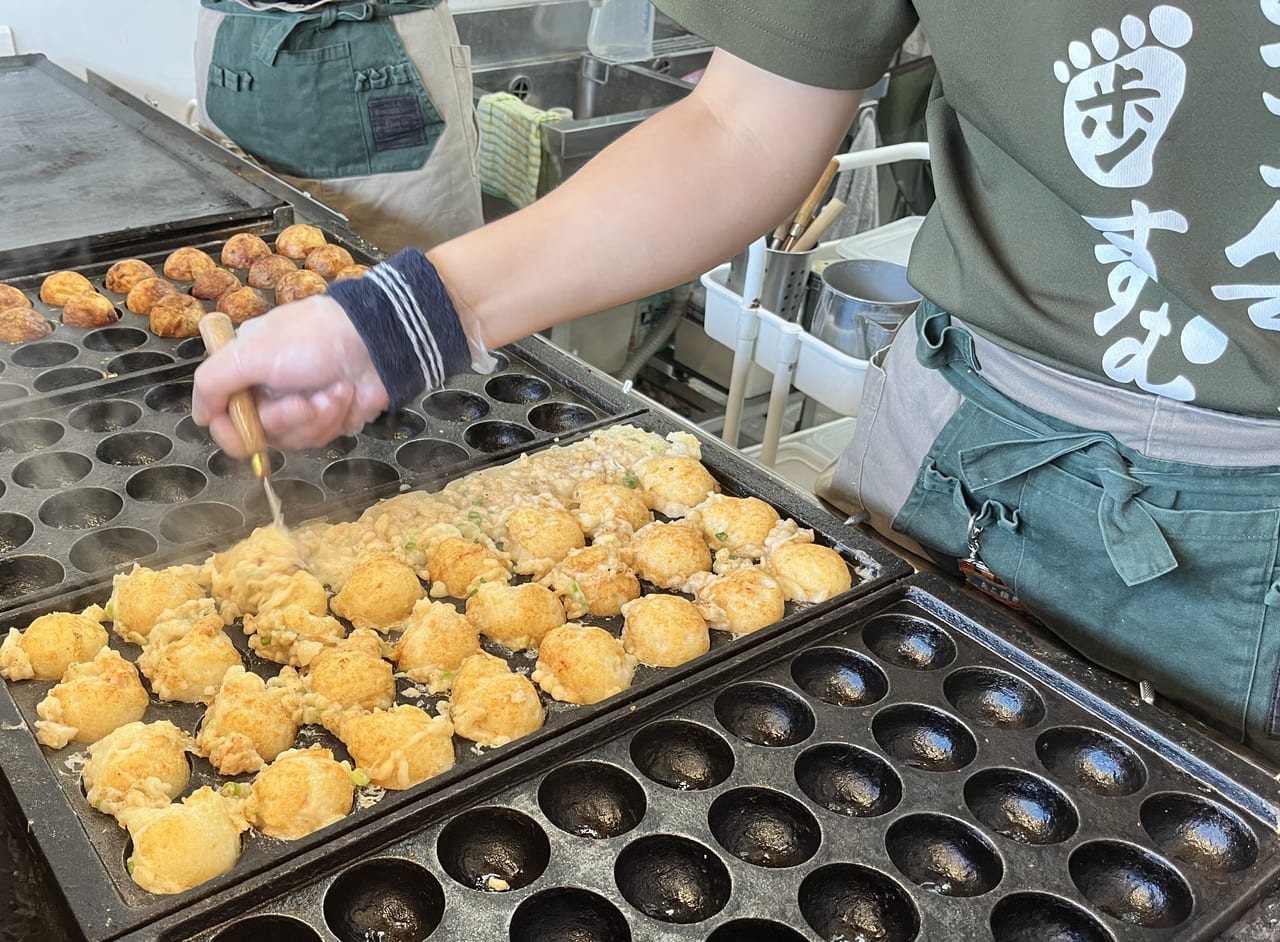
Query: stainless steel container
x=862 y=302
x=786 y=279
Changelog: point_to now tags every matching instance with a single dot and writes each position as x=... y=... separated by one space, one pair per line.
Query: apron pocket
x=1195 y=632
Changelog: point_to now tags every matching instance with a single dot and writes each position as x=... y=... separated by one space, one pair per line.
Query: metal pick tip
x=259 y=464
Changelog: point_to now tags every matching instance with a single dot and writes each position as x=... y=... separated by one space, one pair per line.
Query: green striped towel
x=510 y=147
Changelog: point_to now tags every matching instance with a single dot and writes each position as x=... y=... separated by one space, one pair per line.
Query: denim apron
x=1158 y=570
x=328 y=92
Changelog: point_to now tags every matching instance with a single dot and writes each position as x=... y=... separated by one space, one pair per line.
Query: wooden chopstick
x=804 y=215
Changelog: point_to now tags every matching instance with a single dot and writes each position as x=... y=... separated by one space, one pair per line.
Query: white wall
x=144 y=46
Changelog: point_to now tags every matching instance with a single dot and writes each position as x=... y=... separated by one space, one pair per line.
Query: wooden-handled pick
x=810 y=205
x=218 y=331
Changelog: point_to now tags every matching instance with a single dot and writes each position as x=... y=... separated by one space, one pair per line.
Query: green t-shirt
x=1108 y=174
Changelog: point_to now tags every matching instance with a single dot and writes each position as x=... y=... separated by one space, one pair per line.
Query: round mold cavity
x=1091 y=760
x=493 y=849
x=391 y=900
x=396 y=426
x=11 y=391
x=224 y=466
x=52 y=469
x=199 y=521
x=24 y=435
x=839 y=676
x=682 y=755
x=560 y=417
x=845 y=901
x=592 y=799
x=1035 y=917
x=169 y=397
x=994 y=698
x=908 y=641
x=134 y=448
x=764 y=714
x=22 y=575
x=430 y=454
x=1130 y=884
x=166 y=484
x=755 y=930
x=1022 y=807
x=455 y=405
x=340 y=447
x=352 y=475
x=81 y=508
x=519 y=388
x=276 y=928
x=43 y=355
x=496 y=436
x=65 y=377
x=924 y=738
x=191 y=349
x=1198 y=831
x=139 y=360
x=15 y=529
x=943 y=855
x=848 y=780
x=297 y=499
x=111 y=547
x=764 y=827
x=114 y=339
x=108 y=415
x=568 y=914
x=191 y=433
x=672 y=879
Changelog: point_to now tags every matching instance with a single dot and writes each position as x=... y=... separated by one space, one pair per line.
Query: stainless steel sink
x=607 y=100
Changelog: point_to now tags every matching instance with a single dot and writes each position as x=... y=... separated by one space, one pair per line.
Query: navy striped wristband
x=404 y=316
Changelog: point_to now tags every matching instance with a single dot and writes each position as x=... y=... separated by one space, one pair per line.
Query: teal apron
x=1160 y=571
x=321 y=94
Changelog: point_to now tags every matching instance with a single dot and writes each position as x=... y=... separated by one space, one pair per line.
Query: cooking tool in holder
x=908 y=767
x=786 y=278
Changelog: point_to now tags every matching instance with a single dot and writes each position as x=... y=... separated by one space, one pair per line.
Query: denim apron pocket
x=1160 y=571
x=322 y=94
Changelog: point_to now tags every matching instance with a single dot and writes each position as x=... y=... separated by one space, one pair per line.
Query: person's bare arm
x=673 y=197
x=677 y=195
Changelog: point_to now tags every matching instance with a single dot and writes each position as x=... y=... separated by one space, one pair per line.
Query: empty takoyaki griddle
x=909 y=767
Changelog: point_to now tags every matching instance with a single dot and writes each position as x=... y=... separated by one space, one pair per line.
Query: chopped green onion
x=264 y=640
x=360 y=777
x=474 y=515
x=231 y=790
x=411 y=544
x=128 y=865
x=722 y=536
x=472 y=593
x=477 y=503
x=631 y=480
x=446 y=675
x=111 y=611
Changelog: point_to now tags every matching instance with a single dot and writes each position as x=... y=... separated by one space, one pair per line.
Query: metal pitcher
x=861 y=304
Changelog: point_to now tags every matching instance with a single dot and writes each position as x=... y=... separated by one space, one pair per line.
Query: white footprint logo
x=1118 y=105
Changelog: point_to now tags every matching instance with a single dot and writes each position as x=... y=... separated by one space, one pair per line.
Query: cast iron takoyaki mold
x=74 y=357
x=88 y=848
x=95 y=480
x=895 y=771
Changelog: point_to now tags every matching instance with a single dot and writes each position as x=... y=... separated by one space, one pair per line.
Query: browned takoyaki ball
x=241 y=304
x=62 y=286
x=328 y=260
x=126 y=273
x=267 y=271
x=143 y=296
x=176 y=315
x=298 y=285
x=213 y=284
x=243 y=249
x=89 y=310
x=298 y=241
x=12 y=297
x=187 y=262
x=20 y=324
x=351 y=271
